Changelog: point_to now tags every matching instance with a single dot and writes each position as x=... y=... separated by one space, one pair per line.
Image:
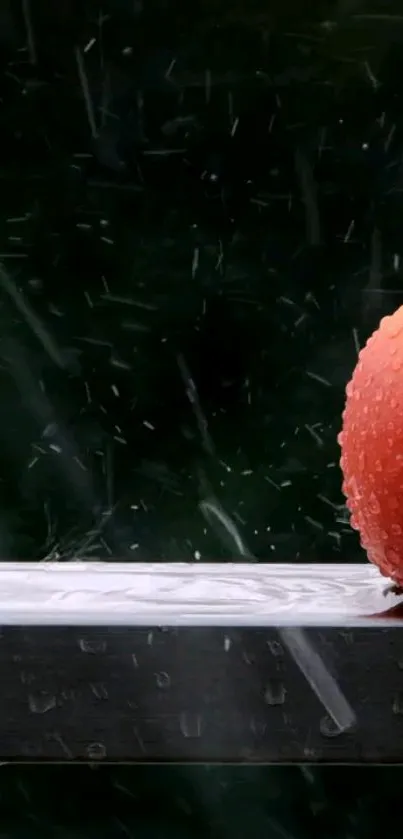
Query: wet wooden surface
x=195 y=694
x=195 y=594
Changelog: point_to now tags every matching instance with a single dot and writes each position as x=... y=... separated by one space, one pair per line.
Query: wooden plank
x=179 y=594
x=173 y=663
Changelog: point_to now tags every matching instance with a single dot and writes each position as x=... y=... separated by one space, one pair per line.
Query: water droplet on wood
x=41 y=702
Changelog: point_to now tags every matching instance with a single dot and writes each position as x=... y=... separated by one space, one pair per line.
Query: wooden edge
x=179 y=594
x=176 y=663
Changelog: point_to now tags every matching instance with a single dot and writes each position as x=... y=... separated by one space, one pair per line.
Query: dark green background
x=239 y=181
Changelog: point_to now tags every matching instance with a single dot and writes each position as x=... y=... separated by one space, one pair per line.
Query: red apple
x=371 y=443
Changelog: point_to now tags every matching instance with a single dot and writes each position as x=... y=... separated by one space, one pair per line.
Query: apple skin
x=371 y=442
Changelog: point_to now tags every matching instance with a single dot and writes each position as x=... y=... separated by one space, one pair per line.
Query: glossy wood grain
x=195 y=595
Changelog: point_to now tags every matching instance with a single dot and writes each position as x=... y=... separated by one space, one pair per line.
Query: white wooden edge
x=179 y=594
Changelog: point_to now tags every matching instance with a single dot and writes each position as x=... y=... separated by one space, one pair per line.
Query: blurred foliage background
x=200 y=224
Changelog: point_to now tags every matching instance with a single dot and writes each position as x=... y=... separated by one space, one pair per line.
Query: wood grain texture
x=107 y=594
